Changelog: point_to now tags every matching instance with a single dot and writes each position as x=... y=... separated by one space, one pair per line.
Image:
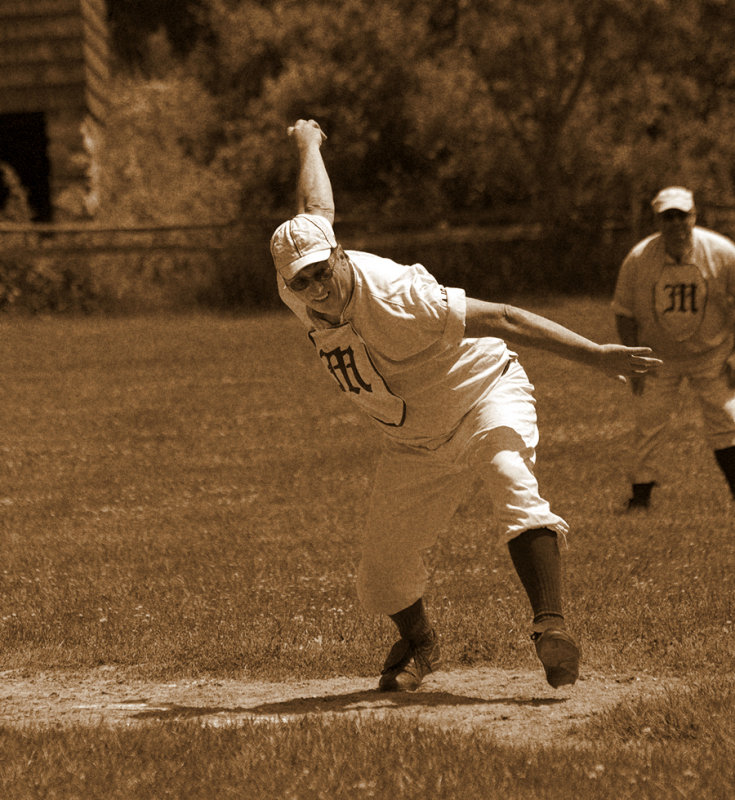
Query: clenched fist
x=306 y=132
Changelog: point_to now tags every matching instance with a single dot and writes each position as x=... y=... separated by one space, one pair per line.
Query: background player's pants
x=417 y=491
x=653 y=410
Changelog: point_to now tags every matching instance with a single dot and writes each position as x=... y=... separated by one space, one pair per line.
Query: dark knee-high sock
x=536 y=558
x=726 y=462
x=412 y=622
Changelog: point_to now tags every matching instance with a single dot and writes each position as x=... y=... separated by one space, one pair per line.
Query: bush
x=45 y=283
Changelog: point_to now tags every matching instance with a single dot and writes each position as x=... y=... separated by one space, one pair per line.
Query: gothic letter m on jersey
x=347 y=360
x=341 y=363
x=682 y=298
x=679 y=300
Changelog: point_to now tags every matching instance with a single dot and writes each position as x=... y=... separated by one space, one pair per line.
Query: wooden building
x=53 y=80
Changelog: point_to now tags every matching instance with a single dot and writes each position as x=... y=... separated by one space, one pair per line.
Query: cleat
x=641 y=498
x=407 y=664
x=559 y=654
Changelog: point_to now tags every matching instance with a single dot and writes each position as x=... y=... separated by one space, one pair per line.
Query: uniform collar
x=687 y=257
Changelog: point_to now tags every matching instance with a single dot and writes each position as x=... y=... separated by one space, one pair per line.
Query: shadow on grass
x=365 y=700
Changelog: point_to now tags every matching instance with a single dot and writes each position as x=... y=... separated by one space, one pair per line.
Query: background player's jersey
x=681 y=309
x=399 y=351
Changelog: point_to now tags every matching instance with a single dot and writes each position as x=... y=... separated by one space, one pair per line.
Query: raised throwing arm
x=314 y=187
x=517 y=326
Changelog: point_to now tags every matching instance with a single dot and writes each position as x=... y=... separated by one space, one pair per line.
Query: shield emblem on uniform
x=348 y=361
x=679 y=300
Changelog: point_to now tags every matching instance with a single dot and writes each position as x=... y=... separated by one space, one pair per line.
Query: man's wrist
x=309 y=144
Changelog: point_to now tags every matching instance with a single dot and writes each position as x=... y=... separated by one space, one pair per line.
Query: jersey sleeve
x=623 y=301
x=729 y=269
x=419 y=314
x=457 y=303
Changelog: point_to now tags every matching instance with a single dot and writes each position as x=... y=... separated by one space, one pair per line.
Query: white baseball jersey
x=682 y=309
x=399 y=351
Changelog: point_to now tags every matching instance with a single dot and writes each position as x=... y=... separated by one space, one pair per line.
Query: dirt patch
x=513 y=706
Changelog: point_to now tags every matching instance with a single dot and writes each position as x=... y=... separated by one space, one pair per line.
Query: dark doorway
x=24 y=146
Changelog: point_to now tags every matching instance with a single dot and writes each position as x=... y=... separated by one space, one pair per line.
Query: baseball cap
x=300 y=241
x=673 y=197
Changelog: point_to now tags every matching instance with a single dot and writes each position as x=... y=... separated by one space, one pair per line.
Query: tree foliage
x=132 y=21
x=157 y=157
x=568 y=112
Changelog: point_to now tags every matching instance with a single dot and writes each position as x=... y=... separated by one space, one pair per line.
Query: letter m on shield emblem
x=347 y=360
x=341 y=364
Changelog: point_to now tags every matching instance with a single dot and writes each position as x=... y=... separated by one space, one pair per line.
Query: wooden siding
x=96 y=54
x=53 y=56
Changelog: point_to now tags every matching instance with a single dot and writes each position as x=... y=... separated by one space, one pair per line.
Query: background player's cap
x=673 y=197
x=302 y=240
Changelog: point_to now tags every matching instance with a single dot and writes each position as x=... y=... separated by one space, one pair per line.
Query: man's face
x=325 y=286
x=676 y=228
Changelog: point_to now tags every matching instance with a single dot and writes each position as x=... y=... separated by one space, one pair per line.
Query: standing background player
x=430 y=366
x=675 y=292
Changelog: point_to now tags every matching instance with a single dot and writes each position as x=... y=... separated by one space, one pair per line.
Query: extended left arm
x=517 y=326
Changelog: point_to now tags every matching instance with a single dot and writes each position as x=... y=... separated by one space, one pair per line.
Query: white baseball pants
x=654 y=408
x=417 y=491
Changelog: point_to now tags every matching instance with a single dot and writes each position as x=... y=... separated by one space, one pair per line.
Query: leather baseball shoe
x=641 y=497
x=407 y=664
x=559 y=654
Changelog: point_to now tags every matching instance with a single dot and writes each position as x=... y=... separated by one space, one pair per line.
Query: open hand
x=623 y=363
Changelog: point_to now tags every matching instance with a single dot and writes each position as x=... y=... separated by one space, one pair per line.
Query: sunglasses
x=302 y=282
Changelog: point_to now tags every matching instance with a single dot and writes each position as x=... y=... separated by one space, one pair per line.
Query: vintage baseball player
x=676 y=292
x=428 y=365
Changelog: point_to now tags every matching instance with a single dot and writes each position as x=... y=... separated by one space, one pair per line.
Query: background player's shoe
x=407 y=664
x=559 y=654
x=641 y=496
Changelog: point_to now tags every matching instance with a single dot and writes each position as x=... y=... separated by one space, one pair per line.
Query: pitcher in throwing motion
x=431 y=367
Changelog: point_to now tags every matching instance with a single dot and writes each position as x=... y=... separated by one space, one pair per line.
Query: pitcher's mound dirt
x=514 y=706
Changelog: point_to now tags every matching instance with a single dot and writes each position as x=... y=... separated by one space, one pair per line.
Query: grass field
x=181 y=496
